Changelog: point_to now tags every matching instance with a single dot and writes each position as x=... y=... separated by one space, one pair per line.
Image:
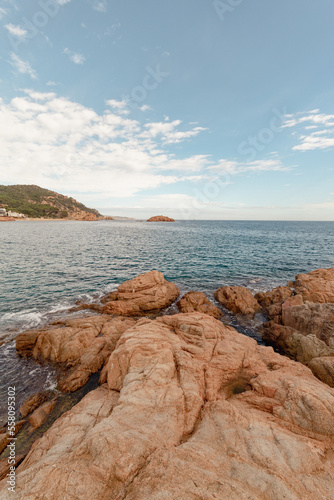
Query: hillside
x=37 y=202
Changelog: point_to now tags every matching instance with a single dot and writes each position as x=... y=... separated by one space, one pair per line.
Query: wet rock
x=271 y=302
x=147 y=293
x=191 y=409
x=5 y=437
x=198 y=302
x=41 y=414
x=80 y=346
x=238 y=300
x=33 y=402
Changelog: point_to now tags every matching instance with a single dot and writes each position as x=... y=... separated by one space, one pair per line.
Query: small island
x=160 y=218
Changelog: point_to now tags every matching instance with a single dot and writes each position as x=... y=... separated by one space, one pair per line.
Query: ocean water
x=46 y=266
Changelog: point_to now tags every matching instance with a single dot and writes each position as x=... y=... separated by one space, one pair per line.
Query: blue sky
x=200 y=110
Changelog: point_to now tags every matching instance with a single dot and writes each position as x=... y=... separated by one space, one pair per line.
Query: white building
x=15 y=214
x=3 y=212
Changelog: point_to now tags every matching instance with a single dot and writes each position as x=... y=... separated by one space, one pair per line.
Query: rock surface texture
x=238 y=300
x=80 y=346
x=198 y=302
x=160 y=218
x=147 y=293
x=189 y=409
x=302 y=325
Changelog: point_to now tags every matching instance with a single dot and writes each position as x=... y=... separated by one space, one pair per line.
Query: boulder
x=271 y=302
x=81 y=346
x=191 y=410
x=160 y=218
x=303 y=324
x=40 y=416
x=198 y=302
x=238 y=300
x=147 y=293
x=33 y=402
x=316 y=286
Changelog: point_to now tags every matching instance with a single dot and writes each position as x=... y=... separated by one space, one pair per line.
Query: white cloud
x=75 y=57
x=59 y=144
x=119 y=106
x=50 y=83
x=16 y=30
x=100 y=5
x=3 y=12
x=145 y=107
x=233 y=167
x=22 y=66
x=322 y=125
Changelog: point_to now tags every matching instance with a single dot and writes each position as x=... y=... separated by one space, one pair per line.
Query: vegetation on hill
x=34 y=201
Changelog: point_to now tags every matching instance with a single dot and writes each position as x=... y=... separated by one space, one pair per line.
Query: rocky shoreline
x=186 y=406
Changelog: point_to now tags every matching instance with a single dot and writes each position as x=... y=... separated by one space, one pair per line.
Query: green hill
x=34 y=201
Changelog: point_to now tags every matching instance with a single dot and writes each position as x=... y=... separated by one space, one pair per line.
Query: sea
x=47 y=266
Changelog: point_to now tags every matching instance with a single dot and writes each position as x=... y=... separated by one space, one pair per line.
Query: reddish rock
x=160 y=218
x=317 y=286
x=304 y=326
x=33 y=402
x=191 y=409
x=40 y=416
x=5 y=467
x=147 y=293
x=271 y=302
x=238 y=300
x=81 y=346
x=198 y=302
x=5 y=437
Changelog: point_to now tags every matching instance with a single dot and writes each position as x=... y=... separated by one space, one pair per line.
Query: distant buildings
x=4 y=213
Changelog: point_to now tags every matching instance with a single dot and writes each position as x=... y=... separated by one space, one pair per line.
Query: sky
x=203 y=109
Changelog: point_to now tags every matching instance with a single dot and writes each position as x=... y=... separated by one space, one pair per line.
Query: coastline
x=134 y=323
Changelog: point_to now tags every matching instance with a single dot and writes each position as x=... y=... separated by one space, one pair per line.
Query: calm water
x=47 y=266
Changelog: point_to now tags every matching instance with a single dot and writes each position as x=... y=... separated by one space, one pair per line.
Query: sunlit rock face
x=189 y=409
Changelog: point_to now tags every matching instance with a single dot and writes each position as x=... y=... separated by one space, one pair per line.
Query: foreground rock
x=145 y=294
x=198 y=302
x=302 y=325
x=160 y=218
x=238 y=300
x=80 y=346
x=191 y=409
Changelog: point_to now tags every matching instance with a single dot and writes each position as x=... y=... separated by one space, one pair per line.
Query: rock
x=191 y=410
x=303 y=325
x=160 y=218
x=323 y=368
x=198 y=302
x=147 y=293
x=33 y=402
x=271 y=302
x=81 y=346
x=5 y=437
x=238 y=300
x=311 y=319
x=5 y=466
x=40 y=416
x=317 y=286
